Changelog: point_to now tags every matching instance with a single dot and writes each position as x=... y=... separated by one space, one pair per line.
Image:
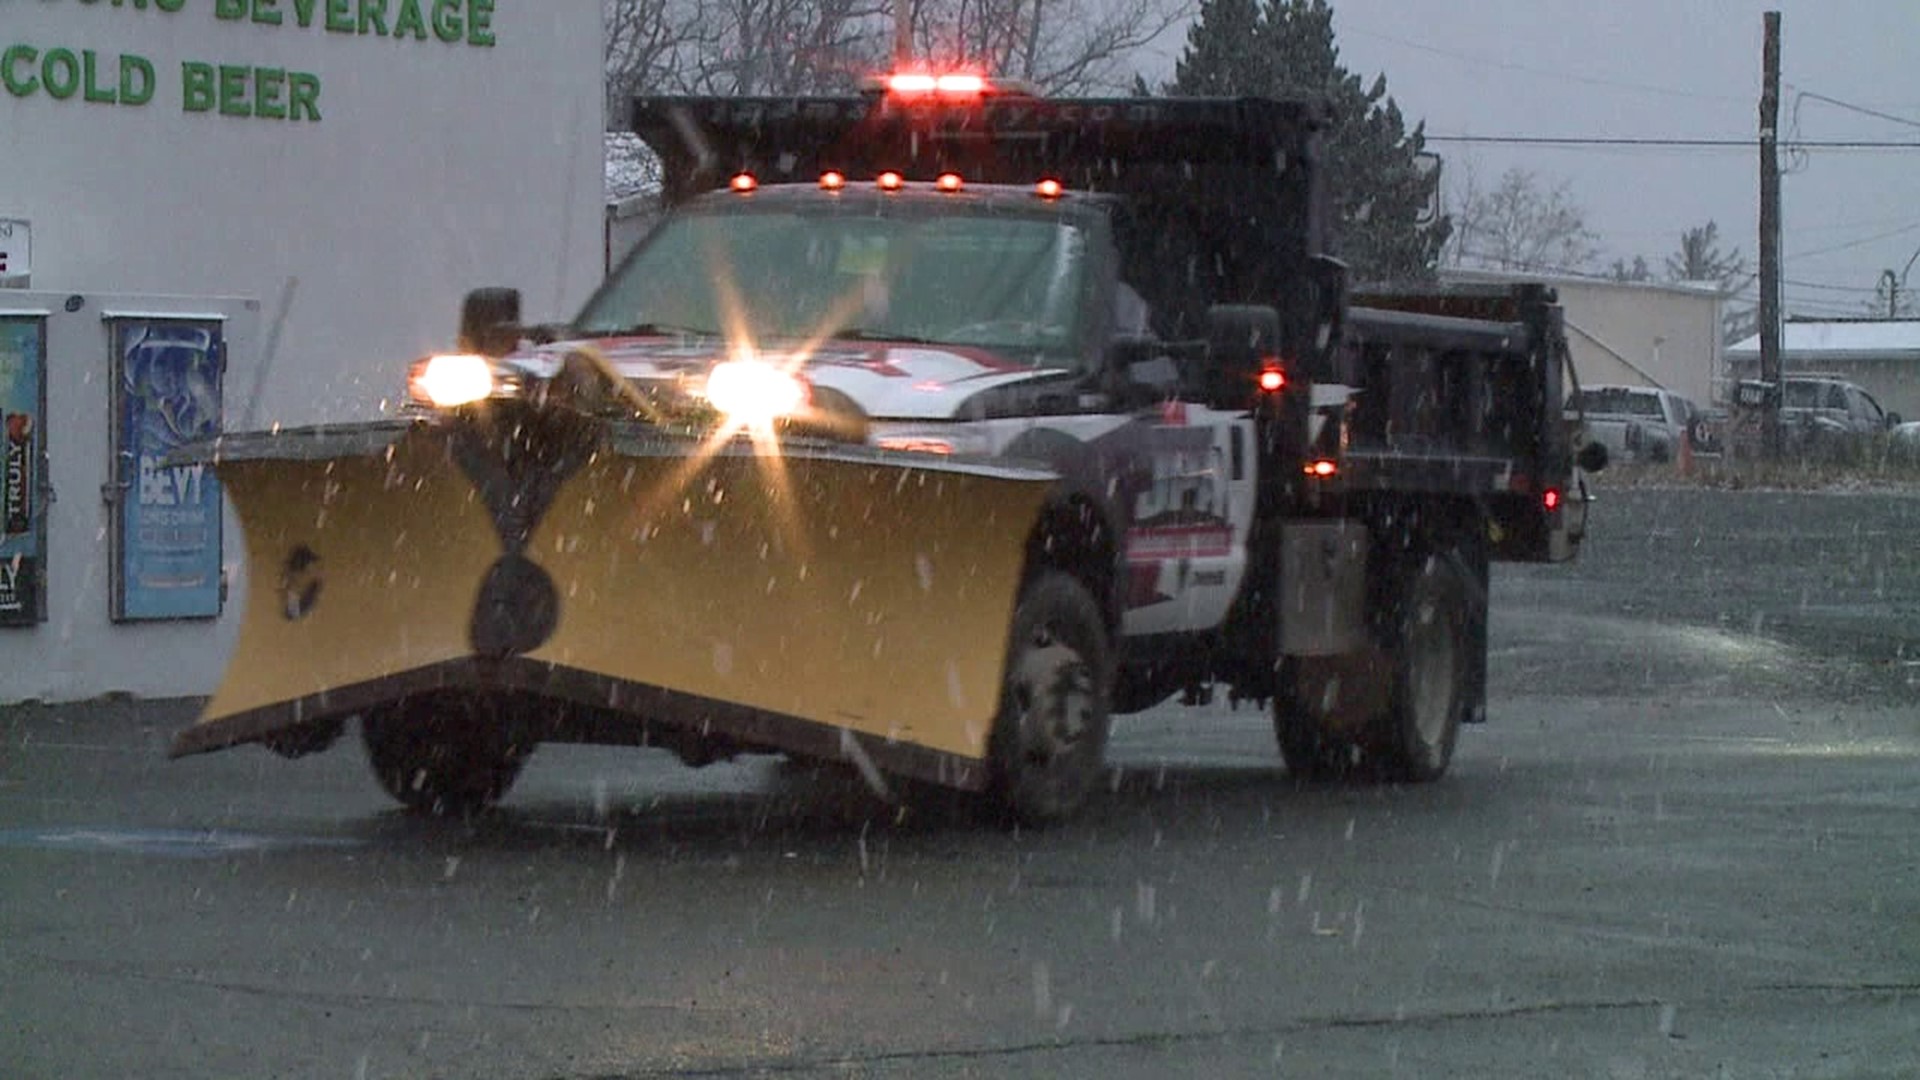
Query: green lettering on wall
x=446 y=21
x=303 y=95
x=340 y=16
x=12 y=62
x=480 y=23
x=196 y=86
x=303 y=12
x=136 y=80
x=373 y=13
x=409 y=19
x=171 y=7
x=90 y=68
x=60 y=73
x=233 y=91
x=266 y=11
x=230 y=9
x=267 y=85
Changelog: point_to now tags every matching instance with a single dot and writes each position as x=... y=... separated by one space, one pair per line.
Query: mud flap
x=780 y=598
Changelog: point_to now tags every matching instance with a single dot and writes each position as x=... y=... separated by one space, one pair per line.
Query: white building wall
x=1636 y=333
x=423 y=168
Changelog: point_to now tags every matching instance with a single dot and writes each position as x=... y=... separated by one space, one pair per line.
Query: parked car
x=1636 y=423
x=1821 y=415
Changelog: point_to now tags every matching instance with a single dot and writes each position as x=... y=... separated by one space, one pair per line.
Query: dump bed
x=1459 y=389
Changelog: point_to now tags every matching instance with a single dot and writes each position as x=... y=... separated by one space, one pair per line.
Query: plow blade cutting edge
x=793 y=600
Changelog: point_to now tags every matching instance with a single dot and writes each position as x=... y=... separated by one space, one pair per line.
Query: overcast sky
x=1674 y=69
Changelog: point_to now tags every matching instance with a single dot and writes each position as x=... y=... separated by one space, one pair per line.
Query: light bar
x=948 y=84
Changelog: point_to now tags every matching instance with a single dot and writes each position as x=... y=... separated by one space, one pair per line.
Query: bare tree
x=1064 y=47
x=1700 y=258
x=1520 y=224
x=1637 y=270
x=801 y=46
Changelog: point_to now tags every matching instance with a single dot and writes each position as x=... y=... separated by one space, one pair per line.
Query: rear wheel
x=444 y=753
x=1306 y=711
x=1049 y=742
x=1430 y=653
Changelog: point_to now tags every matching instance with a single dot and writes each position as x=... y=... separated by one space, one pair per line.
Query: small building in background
x=1881 y=356
x=1635 y=333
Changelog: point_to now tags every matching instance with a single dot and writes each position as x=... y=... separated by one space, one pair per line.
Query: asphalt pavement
x=1682 y=846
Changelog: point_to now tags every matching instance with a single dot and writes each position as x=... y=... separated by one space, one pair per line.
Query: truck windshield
x=1008 y=282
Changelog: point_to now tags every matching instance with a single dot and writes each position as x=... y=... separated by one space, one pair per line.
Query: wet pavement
x=1683 y=846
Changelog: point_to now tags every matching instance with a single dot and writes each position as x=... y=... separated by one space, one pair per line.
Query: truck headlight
x=446 y=381
x=755 y=392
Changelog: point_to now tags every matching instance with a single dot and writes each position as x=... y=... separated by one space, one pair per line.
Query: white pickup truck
x=1636 y=423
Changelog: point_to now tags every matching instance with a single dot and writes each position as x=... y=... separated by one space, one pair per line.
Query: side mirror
x=490 y=322
x=1241 y=339
x=1592 y=457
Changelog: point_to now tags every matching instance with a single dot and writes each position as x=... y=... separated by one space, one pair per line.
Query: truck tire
x=1049 y=743
x=1429 y=693
x=443 y=753
x=1306 y=716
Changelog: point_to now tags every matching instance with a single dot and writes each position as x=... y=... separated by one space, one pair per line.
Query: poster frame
x=130 y=601
x=38 y=486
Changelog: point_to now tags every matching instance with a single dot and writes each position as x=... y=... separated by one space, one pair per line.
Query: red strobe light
x=889 y=181
x=1550 y=499
x=1272 y=380
x=832 y=181
x=949 y=84
x=743 y=182
x=1048 y=189
x=949 y=182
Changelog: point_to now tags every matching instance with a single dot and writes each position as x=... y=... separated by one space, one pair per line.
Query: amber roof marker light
x=832 y=180
x=1049 y=189
x=743 y=182
x=890 y=181
x=949 y=182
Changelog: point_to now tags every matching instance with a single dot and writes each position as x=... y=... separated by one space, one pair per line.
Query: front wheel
x=448 y=753
x=1049 y=742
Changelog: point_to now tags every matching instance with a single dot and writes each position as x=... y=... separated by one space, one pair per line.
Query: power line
x=1862 y=242
x=1861 y=109
x=1824 y=286
x=1590 y=80
x=1601 y=140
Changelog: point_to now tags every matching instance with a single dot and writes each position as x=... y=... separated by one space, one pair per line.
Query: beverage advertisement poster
x=23 y=483
x=167 y=535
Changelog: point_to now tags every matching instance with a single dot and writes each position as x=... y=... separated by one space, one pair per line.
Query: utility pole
x=1770 y=236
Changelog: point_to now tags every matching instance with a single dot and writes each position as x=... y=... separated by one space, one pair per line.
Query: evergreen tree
x=1373 y=164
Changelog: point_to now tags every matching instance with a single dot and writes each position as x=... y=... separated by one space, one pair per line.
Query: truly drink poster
x=22 y=487
x=168 y=394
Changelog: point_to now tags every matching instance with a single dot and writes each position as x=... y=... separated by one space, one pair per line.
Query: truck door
x=1189 y=518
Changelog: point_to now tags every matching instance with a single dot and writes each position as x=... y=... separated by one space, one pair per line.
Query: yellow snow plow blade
x=782 y=598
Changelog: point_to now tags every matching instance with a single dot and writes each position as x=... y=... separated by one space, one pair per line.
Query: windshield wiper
x=856 y=334
x=651 y=329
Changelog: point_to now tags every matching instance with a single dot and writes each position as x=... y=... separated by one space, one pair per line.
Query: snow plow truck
x=927 y=430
